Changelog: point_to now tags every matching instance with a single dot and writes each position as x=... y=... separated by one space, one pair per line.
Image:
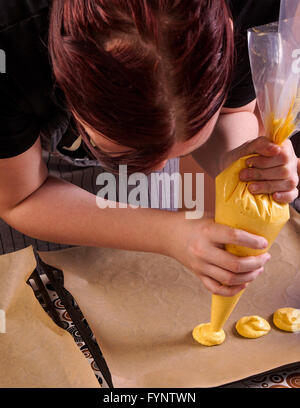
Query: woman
x=143 y=83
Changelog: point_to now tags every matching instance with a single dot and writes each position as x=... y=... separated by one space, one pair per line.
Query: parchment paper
x=143 y=307
x=35 y=352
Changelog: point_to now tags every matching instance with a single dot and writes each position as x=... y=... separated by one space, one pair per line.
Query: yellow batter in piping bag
x=257 y=214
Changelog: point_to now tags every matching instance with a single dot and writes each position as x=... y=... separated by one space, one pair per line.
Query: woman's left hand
x=274 y=171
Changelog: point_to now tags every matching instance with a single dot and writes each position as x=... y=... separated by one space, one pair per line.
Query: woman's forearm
x=230 y=132
x=61 y=212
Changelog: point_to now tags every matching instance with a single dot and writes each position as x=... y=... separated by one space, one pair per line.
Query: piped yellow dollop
x=252 y=327
x=207 y=336
x=287 y=319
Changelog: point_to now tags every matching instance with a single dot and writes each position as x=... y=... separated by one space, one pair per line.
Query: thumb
x=261 y=146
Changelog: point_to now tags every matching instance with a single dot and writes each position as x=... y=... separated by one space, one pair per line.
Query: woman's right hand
x=200 y=246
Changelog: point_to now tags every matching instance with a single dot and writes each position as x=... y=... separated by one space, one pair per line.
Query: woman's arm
x=54 y=210
x=233 y=128
x=235 y=135
x=51 y=209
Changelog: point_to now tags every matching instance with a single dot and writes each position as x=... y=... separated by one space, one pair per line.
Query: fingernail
x=263 y=245
x=253 y=188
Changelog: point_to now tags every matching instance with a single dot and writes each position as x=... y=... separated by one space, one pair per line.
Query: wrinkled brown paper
x=143 y=307
x=35 y=352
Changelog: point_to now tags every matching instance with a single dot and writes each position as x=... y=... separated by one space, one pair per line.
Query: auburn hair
x=142 y=73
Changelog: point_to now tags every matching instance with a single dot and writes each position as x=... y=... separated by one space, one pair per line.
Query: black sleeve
x=18 y=129
x=247 y=14
x=242 y=89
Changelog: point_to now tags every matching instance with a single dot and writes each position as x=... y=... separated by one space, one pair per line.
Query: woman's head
x=142 y=77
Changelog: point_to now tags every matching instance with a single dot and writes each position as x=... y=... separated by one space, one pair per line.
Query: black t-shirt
x=27 y=97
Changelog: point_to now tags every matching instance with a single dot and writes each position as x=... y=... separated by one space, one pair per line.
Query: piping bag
x=275 y=69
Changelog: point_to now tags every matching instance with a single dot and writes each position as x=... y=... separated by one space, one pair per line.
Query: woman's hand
x=274 y=171
x=199 y=245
